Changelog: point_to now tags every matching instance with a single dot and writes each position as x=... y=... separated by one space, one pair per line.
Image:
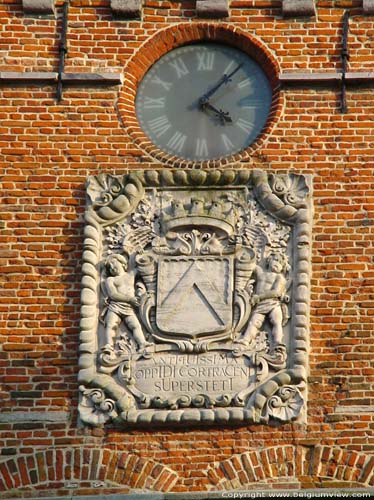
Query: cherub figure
x=122 y=299
x=268 y=300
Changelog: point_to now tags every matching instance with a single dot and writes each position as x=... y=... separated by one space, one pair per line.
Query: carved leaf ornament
x=195 y=297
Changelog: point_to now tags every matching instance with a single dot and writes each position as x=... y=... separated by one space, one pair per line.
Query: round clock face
x=203 y=101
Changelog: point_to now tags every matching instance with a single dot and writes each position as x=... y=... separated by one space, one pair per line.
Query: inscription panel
x=172 y=376
x=195 y=297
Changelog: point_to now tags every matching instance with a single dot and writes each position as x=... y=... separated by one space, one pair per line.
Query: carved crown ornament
x=195 y=297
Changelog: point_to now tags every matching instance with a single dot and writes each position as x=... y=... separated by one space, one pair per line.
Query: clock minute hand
x=234 y=71
x=224 y=79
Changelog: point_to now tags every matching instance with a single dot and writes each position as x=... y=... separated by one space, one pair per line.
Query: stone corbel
x=39 y=7
x=368 y=6
x=212 y=8
x=129 y=9
x=299 y=8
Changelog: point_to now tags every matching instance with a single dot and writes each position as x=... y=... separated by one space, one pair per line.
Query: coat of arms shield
x=194 y=297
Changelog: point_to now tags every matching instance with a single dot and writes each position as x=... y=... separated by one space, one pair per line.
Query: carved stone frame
x=287 y=197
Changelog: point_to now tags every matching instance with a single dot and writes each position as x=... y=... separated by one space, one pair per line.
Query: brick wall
x=47 y=149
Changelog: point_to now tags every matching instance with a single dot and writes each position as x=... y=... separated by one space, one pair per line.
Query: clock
x=203 y=101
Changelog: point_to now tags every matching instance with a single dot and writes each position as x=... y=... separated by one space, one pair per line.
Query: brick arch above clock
x=179 y=35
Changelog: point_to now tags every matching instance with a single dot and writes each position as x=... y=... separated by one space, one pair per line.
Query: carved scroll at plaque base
x=195 y=297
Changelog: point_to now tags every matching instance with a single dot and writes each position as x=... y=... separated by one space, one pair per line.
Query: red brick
x=367 y=470
x=47 y=150
x=6 y=476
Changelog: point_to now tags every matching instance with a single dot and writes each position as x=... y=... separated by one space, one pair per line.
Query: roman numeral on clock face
x=166 y=85
x=249 y=102
x=154 y=102
x=226 y=142
x=244 y=125
x=159 y=125
x=229 y=67
x=244 y=83
x=179 y=67
x=201 y=148
x=205 y=61
x=176 y=142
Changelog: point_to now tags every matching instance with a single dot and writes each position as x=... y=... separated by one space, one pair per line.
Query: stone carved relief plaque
x=195 y=297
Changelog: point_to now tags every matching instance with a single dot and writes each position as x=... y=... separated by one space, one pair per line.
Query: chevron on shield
x=194 y=295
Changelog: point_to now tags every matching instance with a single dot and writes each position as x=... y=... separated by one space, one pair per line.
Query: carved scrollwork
x=291 y=188
x=105 y=189
x=265 y=361
x=285 y=404
x=112 y=197
x=95 y=408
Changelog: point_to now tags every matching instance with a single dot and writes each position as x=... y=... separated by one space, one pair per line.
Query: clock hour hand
x=224 y=79
x=224 y=117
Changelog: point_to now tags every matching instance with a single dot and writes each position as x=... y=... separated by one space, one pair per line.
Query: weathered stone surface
x=34 y=416
x=311 y=78
x=45 y=7
x=38 y=76
x=299 y=8
x=368 y=6
x=187 y=293
x=126 y=8
x=212 y=8
x=99 y=78
x=27 y=76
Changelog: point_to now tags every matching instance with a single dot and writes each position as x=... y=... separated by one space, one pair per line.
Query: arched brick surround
x=112 y=471
x=176 y=36
x=89 y=468
x=294 y=466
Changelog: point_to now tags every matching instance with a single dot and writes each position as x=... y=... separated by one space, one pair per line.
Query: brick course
x=46 y=152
